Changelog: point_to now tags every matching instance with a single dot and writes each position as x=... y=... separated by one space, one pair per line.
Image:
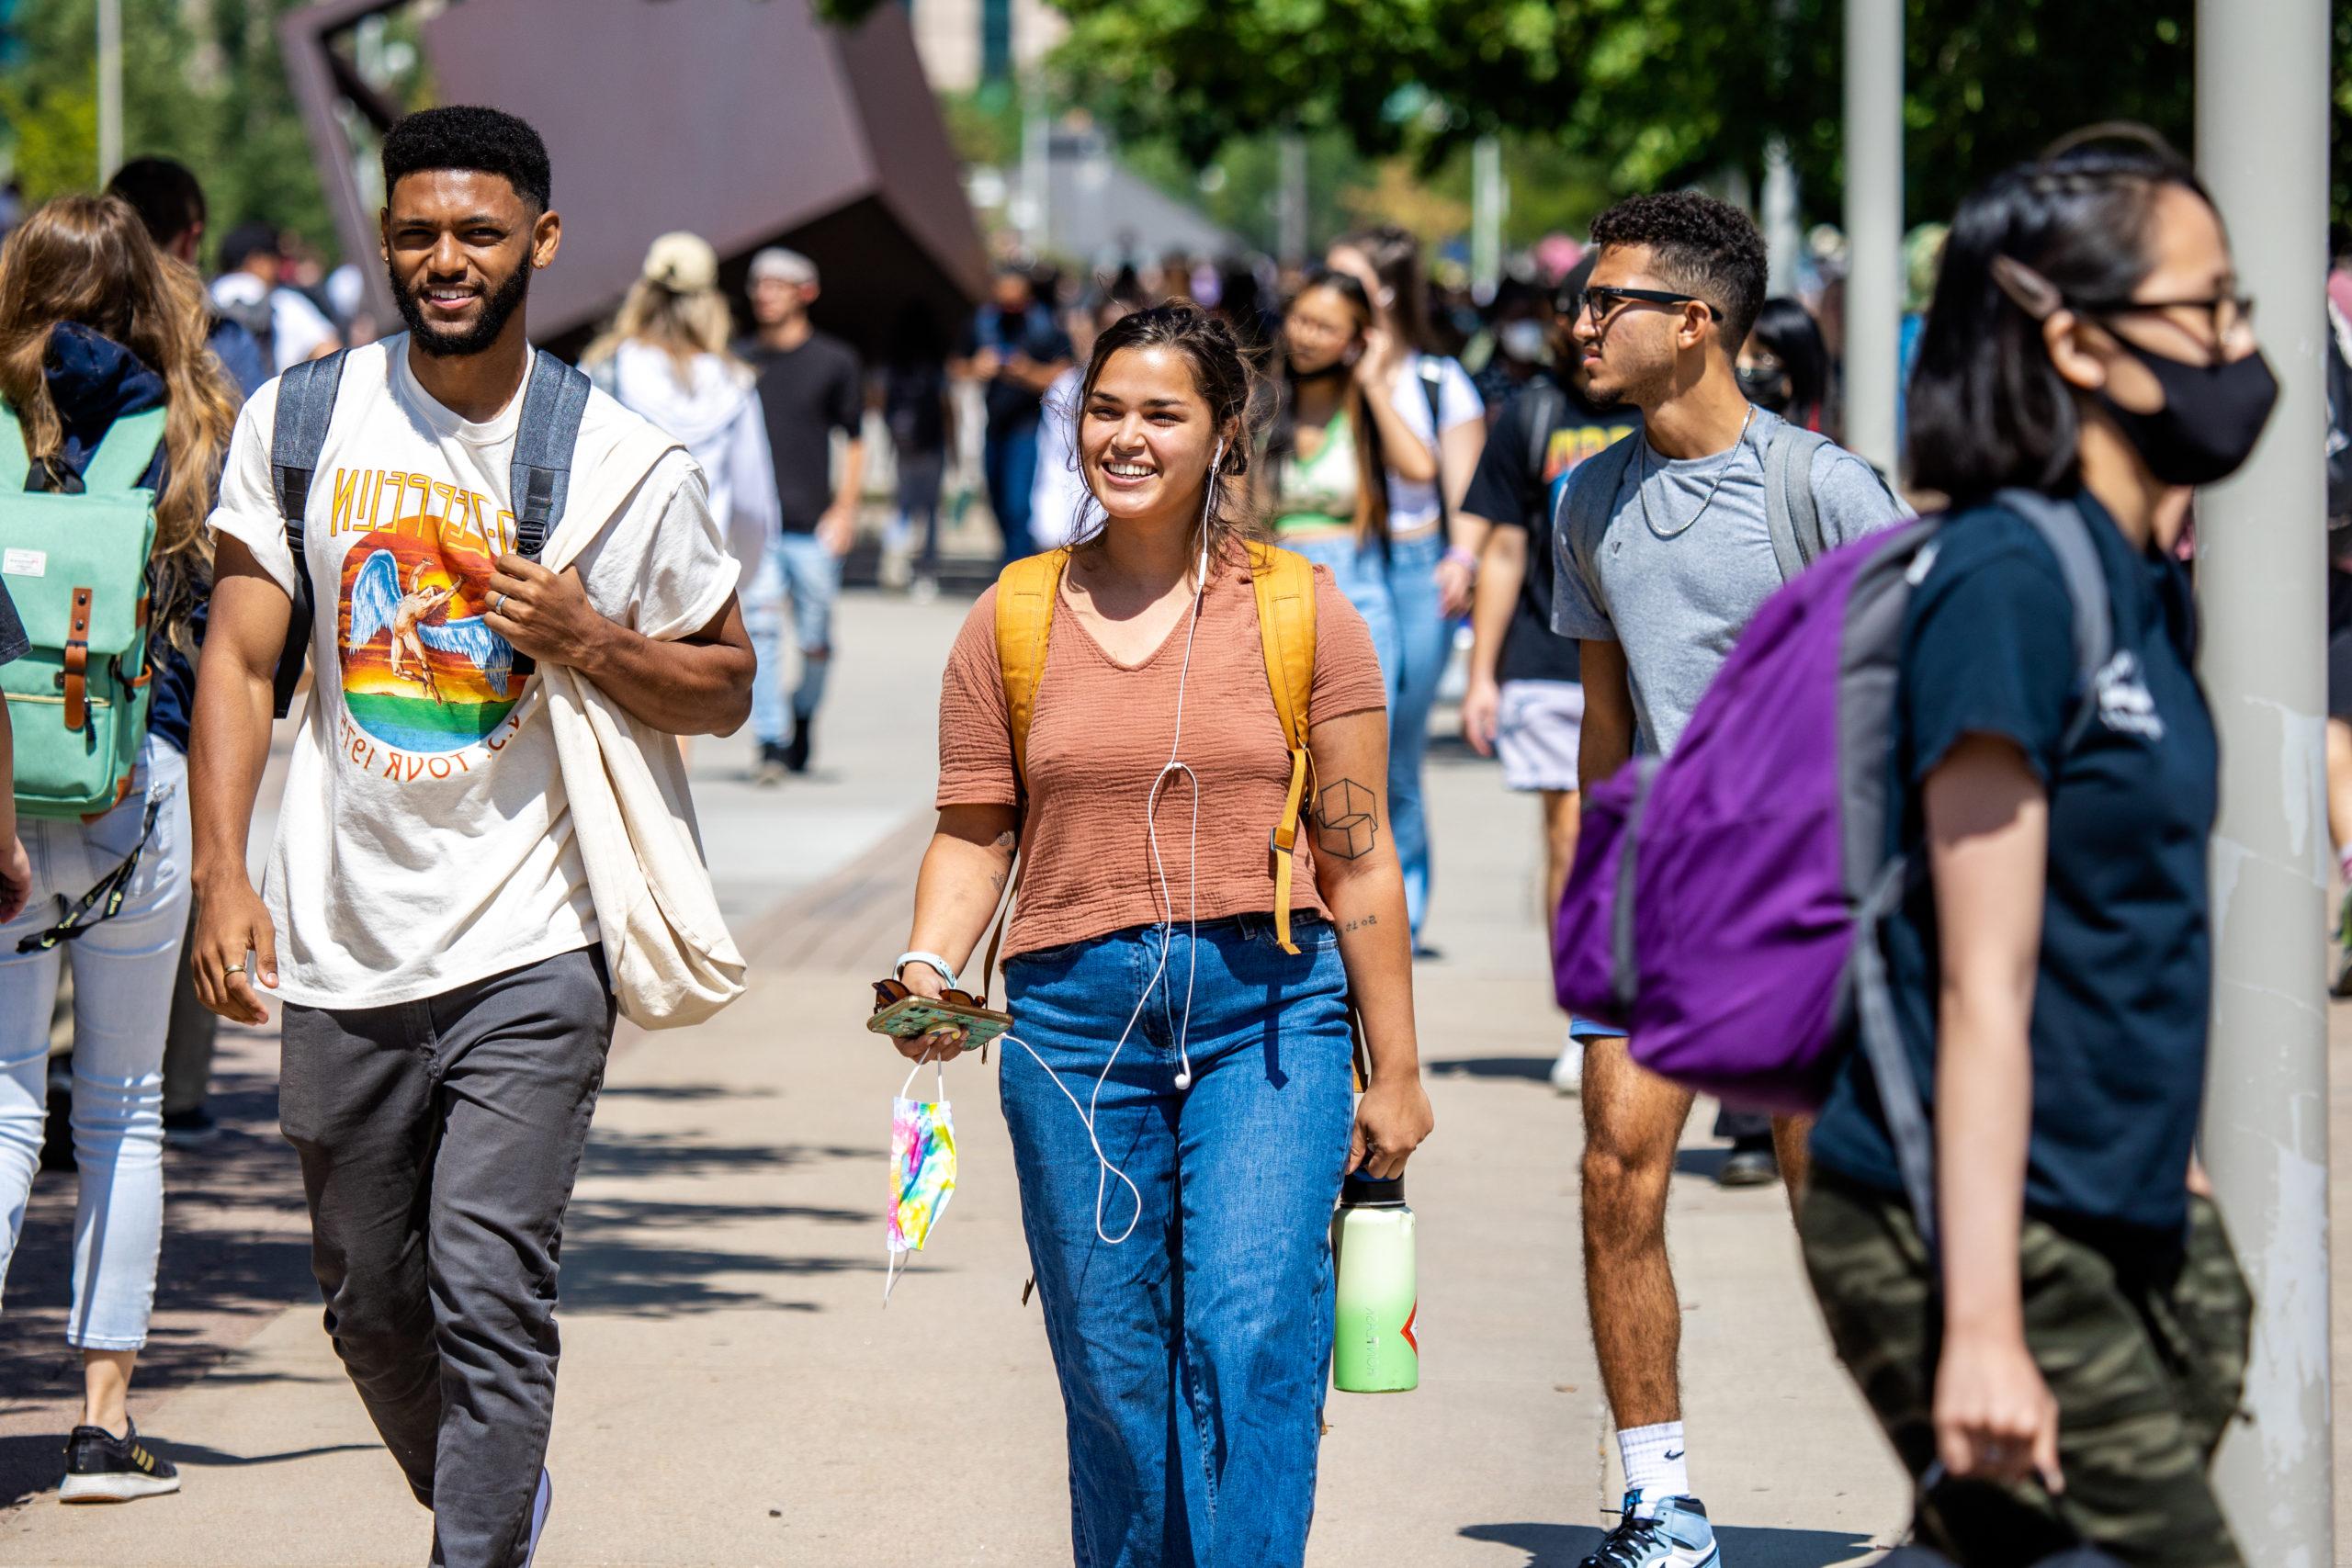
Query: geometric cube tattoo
x=1344 y=824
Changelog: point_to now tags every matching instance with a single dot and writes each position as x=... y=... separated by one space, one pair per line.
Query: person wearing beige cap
x=810 y=385
x=665 y=358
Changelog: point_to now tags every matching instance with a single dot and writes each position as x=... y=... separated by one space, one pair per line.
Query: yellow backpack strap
x=1286 y=585
x=1025 y=591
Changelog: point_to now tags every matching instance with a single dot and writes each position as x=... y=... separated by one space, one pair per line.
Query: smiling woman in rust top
x=1177 y=1086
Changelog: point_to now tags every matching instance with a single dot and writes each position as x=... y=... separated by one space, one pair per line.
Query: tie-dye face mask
x=922 y=1170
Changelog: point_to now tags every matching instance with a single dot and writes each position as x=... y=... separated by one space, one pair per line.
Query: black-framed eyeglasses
x=2229 y=313
x=1604 y=303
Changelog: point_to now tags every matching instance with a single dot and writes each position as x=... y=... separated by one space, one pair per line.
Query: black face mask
x=2211 y=417
x=1768 y=389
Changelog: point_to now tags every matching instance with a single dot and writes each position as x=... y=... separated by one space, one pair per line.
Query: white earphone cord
x=1165 y=903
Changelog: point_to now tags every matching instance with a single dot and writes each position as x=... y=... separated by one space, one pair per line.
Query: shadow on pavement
x=1565 y=1546
x=682 y=1093
x=636 y=1157
x=1533 y=1069
x=236 y=1252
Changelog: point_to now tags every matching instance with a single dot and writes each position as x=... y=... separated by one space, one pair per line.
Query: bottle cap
x=1367 y=1192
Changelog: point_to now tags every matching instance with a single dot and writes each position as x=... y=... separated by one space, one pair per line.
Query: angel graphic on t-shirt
x=378 y=605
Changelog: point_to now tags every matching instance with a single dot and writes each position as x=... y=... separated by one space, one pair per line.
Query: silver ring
x=498 y=605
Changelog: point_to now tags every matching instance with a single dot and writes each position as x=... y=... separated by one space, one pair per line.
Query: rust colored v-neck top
x=1100 y=735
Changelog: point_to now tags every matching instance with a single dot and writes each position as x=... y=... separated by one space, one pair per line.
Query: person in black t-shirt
x=1017 y=347
x=1523 y=700
x=2072 y=1316
x=810 y=385
x=922 y=421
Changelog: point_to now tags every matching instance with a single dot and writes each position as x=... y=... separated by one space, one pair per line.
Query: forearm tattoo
x=1345 y=824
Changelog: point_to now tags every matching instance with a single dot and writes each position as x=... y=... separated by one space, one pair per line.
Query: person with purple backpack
x=2055 y=1339
x=1668 y=544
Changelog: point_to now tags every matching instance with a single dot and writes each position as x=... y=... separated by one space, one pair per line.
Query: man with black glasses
x=1668 y=544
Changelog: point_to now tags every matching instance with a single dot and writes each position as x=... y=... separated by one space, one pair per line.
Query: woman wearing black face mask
x=1784 y=366
x=2061 y=1364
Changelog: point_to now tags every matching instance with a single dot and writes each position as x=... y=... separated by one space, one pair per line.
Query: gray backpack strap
x=2064 y=528
x=550 y=427
x=540 y=478
x=1582 y=520
x=1790 y=511
x=1879 y=1035
x=306 y=397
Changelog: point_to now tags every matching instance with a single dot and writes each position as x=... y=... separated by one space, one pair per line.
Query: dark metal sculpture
x=748 y=121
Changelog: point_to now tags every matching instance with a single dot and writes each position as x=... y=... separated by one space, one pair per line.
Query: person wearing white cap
x=810 y=385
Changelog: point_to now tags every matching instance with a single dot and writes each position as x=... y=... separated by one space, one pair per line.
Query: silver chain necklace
x=1643 y=488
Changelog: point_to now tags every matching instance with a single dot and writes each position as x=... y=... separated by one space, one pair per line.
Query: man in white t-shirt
x=426 y=916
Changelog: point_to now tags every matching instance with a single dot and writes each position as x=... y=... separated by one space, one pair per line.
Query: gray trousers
x=439 y=1140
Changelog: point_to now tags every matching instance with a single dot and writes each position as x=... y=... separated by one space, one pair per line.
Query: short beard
x=498 y=308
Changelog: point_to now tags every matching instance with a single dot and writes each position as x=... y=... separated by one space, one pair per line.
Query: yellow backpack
x=1285 y=585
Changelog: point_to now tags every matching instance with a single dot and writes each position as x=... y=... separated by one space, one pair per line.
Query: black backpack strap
x=1546 y=405
x=1431 y=370
x=306 y=397
x=540 y=479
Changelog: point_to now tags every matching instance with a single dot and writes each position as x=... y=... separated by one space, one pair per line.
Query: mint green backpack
x=76 y=566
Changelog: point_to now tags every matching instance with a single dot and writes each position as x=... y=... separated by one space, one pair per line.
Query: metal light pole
x=1490 y=201
x=2262 y=129
x=109 y=89
x=1291 y=214
x=1874 y=224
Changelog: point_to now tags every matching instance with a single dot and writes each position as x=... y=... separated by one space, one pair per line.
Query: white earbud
x=1183 y=1081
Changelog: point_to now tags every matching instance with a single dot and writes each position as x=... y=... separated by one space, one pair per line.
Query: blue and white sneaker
x=1677 y=1536
x=539 y=1504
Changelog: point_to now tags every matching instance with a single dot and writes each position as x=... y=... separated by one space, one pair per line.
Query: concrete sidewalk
x=733 y=1391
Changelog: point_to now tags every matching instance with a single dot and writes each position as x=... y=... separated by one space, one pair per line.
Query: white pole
x=1488 y=195
x=1783 y=243
x=2262 y=145
x=1036 y=169
x=1291 y=217
x=1874 y=224
x=109 y=88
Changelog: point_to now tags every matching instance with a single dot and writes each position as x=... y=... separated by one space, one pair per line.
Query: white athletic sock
x=1655 y=1467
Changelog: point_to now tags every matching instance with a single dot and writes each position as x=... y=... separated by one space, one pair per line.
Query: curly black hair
x=1700 y=245
x=467 y=136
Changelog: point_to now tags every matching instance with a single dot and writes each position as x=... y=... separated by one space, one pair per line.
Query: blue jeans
x=799 y=573
x=1009 y=463
x=123 y=970
x=1424 y=637
x=1193 y=1353
x=1363 y=580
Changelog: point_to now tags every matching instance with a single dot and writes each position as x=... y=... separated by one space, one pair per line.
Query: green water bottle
x=1372 y=1243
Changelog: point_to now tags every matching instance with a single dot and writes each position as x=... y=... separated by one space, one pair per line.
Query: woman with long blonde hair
x=665 y=358
x=96 y=325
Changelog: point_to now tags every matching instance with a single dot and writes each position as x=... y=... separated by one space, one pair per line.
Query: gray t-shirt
x=1678 y=598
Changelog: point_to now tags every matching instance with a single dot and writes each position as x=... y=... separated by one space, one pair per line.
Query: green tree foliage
x=202 y=83
x=1647 y=93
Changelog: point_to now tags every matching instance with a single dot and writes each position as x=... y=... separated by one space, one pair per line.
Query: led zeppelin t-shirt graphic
x=421 y=670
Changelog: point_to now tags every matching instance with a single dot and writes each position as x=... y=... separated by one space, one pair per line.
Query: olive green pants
x=2146 y=1367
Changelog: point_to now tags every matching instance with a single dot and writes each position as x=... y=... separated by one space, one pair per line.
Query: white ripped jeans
x=123 y=971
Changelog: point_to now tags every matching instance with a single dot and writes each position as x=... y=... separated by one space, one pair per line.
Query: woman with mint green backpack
x=100 y=330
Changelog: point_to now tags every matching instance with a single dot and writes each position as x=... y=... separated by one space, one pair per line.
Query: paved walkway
x=733 y=1391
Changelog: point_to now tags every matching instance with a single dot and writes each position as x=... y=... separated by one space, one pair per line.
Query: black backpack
x=541 y=477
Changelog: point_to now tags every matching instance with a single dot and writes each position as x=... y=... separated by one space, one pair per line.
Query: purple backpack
x=1724 y=905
